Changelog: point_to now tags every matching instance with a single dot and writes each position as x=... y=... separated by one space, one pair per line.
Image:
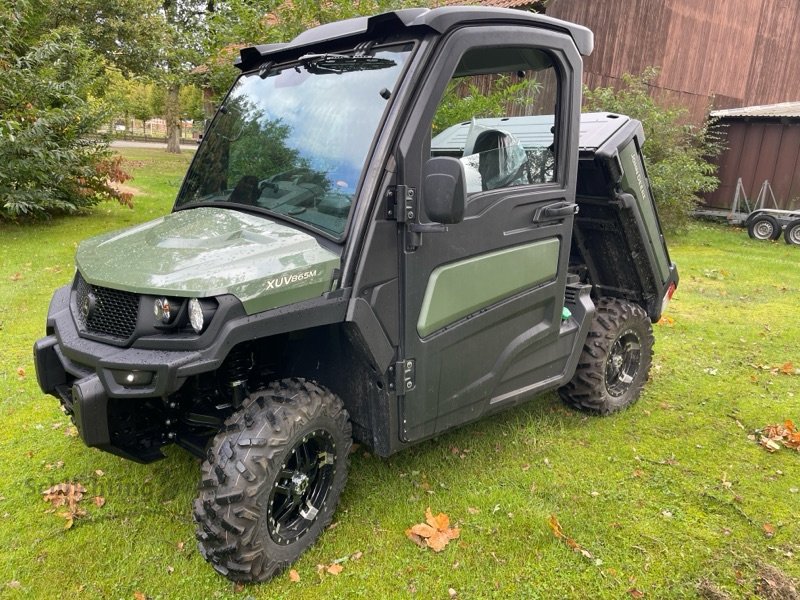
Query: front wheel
x=764 y=227
x=272 y=479
x=792 y=233
x=615 y=360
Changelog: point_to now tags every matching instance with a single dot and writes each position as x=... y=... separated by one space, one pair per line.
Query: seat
x=498 y=164
x=246 y=190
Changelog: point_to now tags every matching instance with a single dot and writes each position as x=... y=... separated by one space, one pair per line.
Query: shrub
x=676 y=152
x=50 y=158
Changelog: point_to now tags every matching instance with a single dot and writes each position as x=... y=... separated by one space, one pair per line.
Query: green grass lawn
x=668 y=494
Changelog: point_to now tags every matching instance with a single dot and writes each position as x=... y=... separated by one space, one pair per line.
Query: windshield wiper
x=341 y=63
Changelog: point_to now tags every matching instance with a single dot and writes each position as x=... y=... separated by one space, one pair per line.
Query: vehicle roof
x=436 y=19
x=534 y=131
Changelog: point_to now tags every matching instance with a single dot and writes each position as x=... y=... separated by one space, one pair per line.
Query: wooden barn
x=713 y=54
x=763 y=145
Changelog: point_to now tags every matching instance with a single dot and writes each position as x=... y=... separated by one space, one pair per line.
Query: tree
x=235 y=24
x=127 y=34
x=49 y=160
x=156 y=39
x=676 y=153
x=463 y=100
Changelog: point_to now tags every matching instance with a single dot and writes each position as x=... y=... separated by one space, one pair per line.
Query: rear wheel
x=615 y=360
x=272 y=479
x=764 y=227
x=792 y=233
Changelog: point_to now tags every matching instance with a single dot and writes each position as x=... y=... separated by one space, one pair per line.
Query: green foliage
x=464 y=100
x=50 y=160
x=676 y=152
x=128 y=34
x=191 y=103
x=235 y=24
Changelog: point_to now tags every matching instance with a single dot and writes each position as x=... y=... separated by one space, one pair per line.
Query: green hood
x=206 y=252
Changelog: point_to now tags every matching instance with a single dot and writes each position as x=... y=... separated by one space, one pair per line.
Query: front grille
x=110 y=312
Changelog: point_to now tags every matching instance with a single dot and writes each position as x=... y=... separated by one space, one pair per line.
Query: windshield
x=293 y=141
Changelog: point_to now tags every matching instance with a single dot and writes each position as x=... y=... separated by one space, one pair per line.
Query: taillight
x=667 y=297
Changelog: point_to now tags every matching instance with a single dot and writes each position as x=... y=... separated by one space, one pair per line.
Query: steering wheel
x=266 y=183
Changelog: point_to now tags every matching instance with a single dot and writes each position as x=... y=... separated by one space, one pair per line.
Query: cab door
x=482 y=301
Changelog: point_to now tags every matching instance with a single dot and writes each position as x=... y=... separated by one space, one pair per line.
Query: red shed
x=763 y=144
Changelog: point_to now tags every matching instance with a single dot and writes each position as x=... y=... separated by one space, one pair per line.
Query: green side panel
x=462 y=288
x=635 y=183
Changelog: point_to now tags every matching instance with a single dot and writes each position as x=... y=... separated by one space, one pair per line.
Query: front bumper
x=81 y=374
x=86 y=375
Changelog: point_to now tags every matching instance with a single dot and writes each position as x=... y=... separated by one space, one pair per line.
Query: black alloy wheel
x=615 y=360
x=272 y=479
x=301 y=487
x=624 y=361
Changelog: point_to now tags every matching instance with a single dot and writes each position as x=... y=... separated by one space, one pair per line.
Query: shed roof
x=537 y=5
x=783 y=109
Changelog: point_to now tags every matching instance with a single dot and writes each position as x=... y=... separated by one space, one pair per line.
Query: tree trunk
x=173 y=120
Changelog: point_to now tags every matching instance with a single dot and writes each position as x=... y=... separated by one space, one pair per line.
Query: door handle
x=559 y=210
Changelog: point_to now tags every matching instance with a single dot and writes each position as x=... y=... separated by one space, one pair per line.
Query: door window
x=498 y=116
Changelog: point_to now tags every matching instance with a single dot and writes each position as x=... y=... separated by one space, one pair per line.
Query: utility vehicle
x=363 y=249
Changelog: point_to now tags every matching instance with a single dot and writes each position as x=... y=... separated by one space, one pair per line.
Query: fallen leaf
x=773 y=437
x=417 y=539
x=636 y=593
x=67 y=495
x=99 y=473
x=769 y=529
x=440 y=521
x=555 y=526
x=16 y=277
x=14 y=584
x=356 y=555
x=437 y=541
x=435 y=533
x=452 y=593
x=787 y=368
x=170 y=569
x=423 y=530
x=180 y=545
x=472 y=511
x=294 y=576
x=64 y=494
x=139 y=596
x=20 y=372
x=99 y=501
x=334 y=569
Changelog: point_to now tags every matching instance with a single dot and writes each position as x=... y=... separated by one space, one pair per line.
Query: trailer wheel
x=272 y=479
x=764 y=227
x=615 y=360
x=792 y=233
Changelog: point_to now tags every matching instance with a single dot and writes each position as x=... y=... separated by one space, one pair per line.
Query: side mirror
x=444 y=190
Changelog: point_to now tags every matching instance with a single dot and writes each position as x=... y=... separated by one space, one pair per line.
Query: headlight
x=161 y=310
x=196 y=315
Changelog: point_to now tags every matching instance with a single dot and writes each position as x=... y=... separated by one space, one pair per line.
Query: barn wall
x=760 y=150
x=712 y=53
